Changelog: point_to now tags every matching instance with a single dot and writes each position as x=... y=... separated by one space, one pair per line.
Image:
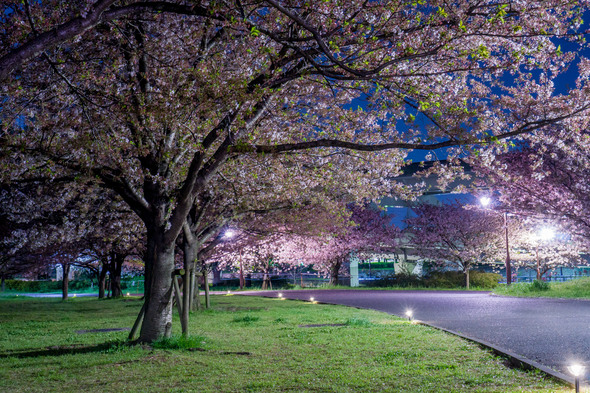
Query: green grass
x=243 y=344
x=577 y=289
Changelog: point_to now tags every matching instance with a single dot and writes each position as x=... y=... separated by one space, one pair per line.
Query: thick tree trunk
x=102 y=279
x=65 y=282
x=157 y=321
x=466 y=273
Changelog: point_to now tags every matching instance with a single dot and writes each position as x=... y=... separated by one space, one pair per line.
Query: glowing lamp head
x=311 y=299
x=485 y=201
x=409 y=314
x=280 y=295
x=546 y=234
x=229 y=234
x=127 y=293
x=576 y=369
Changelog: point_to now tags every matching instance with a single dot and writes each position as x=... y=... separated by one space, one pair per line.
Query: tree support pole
x=207 y=297
x=138 y=321
x=179 y=303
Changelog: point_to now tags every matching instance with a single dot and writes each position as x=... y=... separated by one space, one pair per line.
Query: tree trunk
x=115 y=274
x=207 y=296
x=335 y=272
x=102 y=278
x=65 y=281
x=196 y=293
x=157 y=321
x=3 y=284
x=466 y=273
x=242 y=281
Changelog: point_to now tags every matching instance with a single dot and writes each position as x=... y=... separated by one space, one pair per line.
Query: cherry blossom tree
x=545 y=178
x=543 y=248
x=162 y=101
x=451 y=235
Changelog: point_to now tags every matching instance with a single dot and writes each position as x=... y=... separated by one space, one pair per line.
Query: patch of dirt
x=103 y=330
x=322 y=325
x=236 y=353
x=234 y=309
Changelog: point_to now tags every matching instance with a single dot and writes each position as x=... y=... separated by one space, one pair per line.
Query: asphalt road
x=552 y=332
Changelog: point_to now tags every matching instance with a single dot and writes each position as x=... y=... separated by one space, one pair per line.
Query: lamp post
x=485 y=202
x=576 y=370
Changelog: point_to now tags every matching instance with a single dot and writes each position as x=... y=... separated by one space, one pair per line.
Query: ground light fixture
x=280 y=295
x=127 y=293
x=312 y=299
x=409 y=314
x=576 y=370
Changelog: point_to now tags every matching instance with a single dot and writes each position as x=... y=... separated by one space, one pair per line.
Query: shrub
x=455 y=279
x=539 y=286
x=403 y=280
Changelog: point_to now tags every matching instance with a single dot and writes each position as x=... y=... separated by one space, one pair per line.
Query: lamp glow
x=311 y=299
x=546 y=234
x=229 y=234
x=409 y=314
x=576 y=369
x=127 y=293
x=280 y=295
x=485 y=201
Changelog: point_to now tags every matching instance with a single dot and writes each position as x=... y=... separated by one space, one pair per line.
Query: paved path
x=552 y=332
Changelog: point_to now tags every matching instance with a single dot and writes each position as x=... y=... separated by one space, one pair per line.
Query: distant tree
x=451 y=235
x=537 y=246
x=545 y=178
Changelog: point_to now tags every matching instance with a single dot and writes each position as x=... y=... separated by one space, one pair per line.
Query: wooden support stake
x=138 y=321
x=178 y=297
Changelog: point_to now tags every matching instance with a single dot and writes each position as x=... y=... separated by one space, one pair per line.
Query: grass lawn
x=578 y=288
x=246 y=344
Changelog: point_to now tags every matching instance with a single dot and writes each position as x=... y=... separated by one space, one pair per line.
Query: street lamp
x=576 y=370
x=485 y=202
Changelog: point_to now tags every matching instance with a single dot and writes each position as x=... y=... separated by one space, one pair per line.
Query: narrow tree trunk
x=115 y=275
x=335 y=272
x=102 y=278
x=207 y=296
x=196 y=293
x=65 y=281
x=466 y=272
x=3 y=284
x=242 y=281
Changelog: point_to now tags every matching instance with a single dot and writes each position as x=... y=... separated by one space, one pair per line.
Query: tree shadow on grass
x=59 y=350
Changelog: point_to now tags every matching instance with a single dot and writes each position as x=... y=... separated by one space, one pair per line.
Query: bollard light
x=280 y=295
x=127 y=293
x=576 y=370
x=409 y=314
x=311 y=299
